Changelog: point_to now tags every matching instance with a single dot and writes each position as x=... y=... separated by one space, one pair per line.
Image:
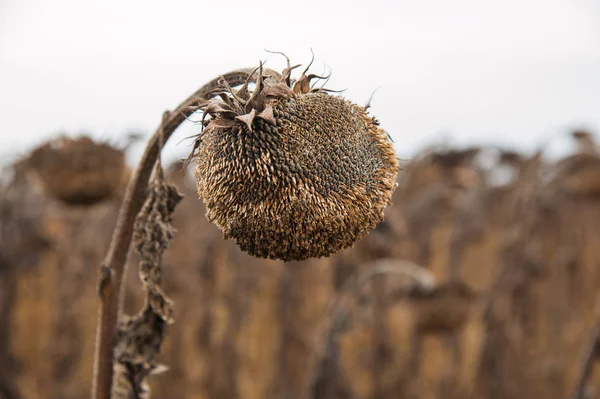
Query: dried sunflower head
x=79 y=171
x=289 y=172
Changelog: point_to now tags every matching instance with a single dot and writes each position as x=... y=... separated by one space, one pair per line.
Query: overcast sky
x=510 y=72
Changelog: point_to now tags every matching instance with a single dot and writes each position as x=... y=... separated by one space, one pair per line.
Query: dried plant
x=577 y=176
x=112 y=271
x=285 y=170
x=291 y=172
x=439 y=182
x=140 y=337
x=542 y=244
x=443 y=309
x=589 y=358
x=79 y=171
x=326 y=363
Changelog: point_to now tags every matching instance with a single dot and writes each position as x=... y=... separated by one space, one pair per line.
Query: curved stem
x=589 y=356
x=111 y=279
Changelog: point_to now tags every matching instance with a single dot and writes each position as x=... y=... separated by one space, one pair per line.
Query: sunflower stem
x=112 y=271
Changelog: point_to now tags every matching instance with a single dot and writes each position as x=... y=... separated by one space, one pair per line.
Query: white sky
x=510 y=72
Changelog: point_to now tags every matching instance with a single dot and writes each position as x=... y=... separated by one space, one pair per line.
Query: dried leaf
x=140 y=337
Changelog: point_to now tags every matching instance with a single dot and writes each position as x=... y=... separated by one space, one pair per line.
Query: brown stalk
x=338 y=311
x=111 y=280
x=590 y=352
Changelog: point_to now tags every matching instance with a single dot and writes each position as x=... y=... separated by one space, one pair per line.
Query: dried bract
x=291 y=172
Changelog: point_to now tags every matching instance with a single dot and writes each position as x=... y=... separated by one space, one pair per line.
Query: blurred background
x=482 y=281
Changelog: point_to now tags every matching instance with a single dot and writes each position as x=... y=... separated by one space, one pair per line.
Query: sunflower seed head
x=293 y=173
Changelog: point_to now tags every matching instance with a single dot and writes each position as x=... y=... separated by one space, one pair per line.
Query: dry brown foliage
x=511 y=312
